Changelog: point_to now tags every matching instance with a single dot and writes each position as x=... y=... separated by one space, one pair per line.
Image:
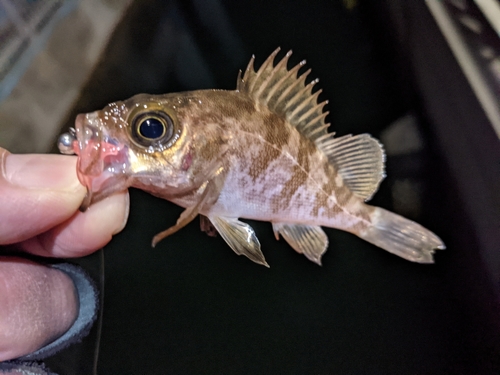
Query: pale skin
x=39 y=200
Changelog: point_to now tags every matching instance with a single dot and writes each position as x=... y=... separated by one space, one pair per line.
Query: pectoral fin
x=240 y=237
x=207 y=194
x=308 y=240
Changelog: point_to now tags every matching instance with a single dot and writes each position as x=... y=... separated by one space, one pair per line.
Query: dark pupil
x=151 y=128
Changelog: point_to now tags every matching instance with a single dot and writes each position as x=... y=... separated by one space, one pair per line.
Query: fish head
x=138 y=142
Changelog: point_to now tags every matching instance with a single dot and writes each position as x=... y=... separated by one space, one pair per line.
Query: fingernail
x=39 y=171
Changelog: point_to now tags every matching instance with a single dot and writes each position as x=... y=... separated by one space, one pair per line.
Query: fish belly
x=287 y=192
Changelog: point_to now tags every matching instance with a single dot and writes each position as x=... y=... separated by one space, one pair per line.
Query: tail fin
x=402 y=237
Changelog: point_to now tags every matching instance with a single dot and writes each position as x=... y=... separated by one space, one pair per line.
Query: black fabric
x=24 y=368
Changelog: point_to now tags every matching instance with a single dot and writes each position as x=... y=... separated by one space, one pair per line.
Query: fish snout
x=88 y=130
x=102 y=161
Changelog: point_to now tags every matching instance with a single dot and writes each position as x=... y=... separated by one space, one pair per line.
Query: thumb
x=37 y=192
x=37 y=305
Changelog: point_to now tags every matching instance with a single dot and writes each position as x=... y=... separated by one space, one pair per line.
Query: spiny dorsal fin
x=358 y=159
x=284 y=92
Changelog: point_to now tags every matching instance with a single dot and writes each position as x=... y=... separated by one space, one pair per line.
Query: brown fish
x=260 y=152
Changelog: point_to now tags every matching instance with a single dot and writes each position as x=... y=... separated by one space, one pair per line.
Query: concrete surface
x=32 y=116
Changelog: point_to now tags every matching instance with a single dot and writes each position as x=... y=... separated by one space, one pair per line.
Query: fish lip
x=102 y=160
x=89 y=144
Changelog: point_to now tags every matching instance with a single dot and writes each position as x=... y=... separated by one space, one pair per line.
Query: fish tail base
x=402 y=237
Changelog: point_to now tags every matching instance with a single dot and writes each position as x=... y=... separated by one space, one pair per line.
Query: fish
x=261 y=152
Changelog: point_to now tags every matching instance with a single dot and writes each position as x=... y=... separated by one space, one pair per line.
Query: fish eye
x=152 y=128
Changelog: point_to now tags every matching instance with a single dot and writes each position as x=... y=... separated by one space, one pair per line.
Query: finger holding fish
x=84 y=232
x=40 y=196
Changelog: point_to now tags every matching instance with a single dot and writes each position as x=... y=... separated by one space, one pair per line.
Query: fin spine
x=285 y=92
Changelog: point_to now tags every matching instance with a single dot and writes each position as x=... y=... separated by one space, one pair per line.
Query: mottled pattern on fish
x=273 y=171
x=260 y=152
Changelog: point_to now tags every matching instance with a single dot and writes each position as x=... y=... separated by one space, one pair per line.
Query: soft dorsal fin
x=359 y=159
x=285 y=93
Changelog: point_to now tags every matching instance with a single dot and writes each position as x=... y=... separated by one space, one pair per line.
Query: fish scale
x=262 y=151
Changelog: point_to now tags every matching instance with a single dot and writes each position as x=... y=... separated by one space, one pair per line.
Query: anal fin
x=240 y=237
x=304 y=239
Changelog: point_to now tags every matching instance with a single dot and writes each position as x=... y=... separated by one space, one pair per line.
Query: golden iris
x=152 y=128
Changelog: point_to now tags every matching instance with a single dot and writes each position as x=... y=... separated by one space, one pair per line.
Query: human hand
x=39 y=200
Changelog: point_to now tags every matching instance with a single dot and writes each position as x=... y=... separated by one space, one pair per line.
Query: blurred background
x=424 y=77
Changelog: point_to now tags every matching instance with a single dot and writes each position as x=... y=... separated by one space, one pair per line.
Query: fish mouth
x=102 y=165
